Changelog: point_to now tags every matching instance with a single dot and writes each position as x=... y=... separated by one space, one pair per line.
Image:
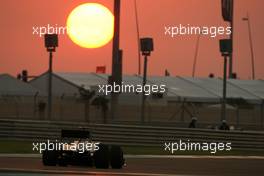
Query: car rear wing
x=78 y=134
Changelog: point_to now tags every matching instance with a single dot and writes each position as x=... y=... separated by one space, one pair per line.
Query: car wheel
x=116 y=157
x=49 y=158
x=62 y=160
x=101 y=157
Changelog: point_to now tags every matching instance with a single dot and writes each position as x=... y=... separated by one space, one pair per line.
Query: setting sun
x=90 y=25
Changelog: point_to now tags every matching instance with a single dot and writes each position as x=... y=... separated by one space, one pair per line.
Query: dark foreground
x=142 y=166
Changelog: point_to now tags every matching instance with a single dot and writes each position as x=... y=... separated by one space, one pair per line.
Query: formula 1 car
x=76 y=148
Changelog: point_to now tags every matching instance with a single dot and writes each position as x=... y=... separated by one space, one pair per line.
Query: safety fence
x=128 y=135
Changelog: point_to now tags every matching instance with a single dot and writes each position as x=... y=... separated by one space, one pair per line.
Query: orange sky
x=22 y=50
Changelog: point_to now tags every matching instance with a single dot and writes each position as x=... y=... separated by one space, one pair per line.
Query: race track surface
x=142 y=166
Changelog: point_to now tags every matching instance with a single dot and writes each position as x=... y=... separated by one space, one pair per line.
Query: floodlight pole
x=138 y=39
x=231 y=54
x=51 y=42
x=116 y=76
x=232 y=39
x=146 y=47
x=50 y=86
x=226 y=50
x=144 y=83
x=196 y=55
x=262 y=113
x=223 y=116
x=251 y=45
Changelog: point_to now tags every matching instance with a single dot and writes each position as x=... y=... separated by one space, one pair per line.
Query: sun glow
x=90 y=25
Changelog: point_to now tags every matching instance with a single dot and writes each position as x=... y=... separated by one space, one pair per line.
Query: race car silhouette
x=76 y=148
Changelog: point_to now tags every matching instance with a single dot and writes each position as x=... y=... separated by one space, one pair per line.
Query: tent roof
x=215 y=86
x=85 y=80
x=180 y=88
x=255 y=87
x=184 y=89
x=10 y=86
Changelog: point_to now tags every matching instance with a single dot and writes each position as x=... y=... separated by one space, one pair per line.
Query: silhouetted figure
x=41 y=109
x=167 y=73
x=211 y=75
x=102 y=102
x=224 y=125
x=193 y=123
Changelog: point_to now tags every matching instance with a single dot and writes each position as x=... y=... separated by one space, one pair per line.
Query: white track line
x=15 y=155
x=40 y=171
x=193 y=156
x=150 y=156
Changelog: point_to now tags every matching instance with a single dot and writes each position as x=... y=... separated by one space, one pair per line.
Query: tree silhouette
x=86 y=96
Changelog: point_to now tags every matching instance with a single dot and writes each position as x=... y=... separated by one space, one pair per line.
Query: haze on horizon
x=22 y=50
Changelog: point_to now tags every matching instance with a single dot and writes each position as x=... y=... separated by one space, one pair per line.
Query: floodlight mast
x=247 y=19
x=228 y=15
x=226 y=50
x=231 y=75
x=116 y=77
x=146 y=45
x=224 y=89
x=51 y=42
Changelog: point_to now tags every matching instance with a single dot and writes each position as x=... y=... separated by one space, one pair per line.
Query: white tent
x=178 y=88
x=10 y=86
x=254 y=87
x=215 y=86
